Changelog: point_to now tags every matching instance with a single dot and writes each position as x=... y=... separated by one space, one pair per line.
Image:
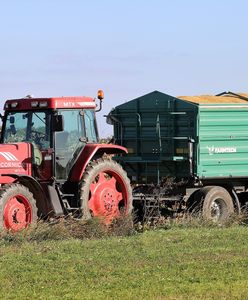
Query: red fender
x=6 y=179
x=87 y=154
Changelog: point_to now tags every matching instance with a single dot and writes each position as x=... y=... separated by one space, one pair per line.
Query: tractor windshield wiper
x=40 y=118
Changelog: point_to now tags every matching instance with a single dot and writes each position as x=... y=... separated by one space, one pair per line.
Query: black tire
x=17 y=207
x=217 y=203
x=105 y=191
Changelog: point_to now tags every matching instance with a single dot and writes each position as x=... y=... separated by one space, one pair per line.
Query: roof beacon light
x=100 y=95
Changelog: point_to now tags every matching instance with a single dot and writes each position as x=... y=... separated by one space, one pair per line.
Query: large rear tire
x=17 y=207
x=215 y=203
x=105 y=191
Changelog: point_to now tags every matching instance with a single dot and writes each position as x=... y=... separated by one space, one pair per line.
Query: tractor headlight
x=13 y=104
x=34 y=103
x=43 y=104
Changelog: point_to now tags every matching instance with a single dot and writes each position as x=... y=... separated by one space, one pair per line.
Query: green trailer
x=187 y=148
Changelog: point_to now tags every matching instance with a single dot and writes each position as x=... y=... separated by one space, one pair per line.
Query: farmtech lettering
x=212 y=150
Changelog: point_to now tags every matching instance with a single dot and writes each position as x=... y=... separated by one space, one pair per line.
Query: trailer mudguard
x=89 y=151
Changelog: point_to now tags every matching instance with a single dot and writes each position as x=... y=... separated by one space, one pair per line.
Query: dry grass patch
x=70 y=228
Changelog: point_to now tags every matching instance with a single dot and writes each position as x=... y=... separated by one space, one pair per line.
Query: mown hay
x=202 y=99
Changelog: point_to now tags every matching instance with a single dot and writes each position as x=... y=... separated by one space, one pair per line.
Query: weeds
x=71 y=228
x=191 y=220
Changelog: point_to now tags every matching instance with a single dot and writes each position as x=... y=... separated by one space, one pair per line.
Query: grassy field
x=186 y=263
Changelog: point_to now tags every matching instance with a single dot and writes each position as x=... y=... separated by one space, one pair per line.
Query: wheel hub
x=19 y=216
x=16 y=214
x=105 y=196
x=108 y=199
x=216 y=210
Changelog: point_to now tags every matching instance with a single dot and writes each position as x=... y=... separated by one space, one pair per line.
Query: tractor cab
x=57 y=128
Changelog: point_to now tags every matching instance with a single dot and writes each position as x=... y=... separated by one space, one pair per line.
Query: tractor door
x=69 y=142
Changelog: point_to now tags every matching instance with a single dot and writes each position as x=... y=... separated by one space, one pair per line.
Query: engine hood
x=16 y=158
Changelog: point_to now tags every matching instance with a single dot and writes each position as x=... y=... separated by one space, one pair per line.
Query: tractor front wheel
x=17 y=207
x=105 y=191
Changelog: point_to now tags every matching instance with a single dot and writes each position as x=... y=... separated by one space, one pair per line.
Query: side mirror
x=58 y=123
x=12 y=129
x=12 y=119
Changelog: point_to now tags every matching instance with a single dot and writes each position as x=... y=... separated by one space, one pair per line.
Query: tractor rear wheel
x=105 y=191
x=17 y=207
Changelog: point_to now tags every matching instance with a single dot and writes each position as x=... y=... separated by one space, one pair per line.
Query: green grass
x=178 y=263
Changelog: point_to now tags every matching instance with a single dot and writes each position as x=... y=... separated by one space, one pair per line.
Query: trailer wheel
x=217 y=204
x=105 y=191
x=17 y=207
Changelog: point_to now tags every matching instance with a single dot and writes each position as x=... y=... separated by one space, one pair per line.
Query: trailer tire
x=17 y=207
x=217 y=204
x=105 y=191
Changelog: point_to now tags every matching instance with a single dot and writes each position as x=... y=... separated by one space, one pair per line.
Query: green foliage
x=207 y=262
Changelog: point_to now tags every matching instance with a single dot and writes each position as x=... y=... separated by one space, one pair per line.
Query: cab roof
x=29 y=103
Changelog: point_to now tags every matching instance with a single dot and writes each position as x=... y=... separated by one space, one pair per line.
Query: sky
x=126 y=48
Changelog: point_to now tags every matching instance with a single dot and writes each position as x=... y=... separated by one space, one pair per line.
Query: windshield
x=28 y=127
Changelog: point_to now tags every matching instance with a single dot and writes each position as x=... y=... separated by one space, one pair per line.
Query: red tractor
x=51 y=163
